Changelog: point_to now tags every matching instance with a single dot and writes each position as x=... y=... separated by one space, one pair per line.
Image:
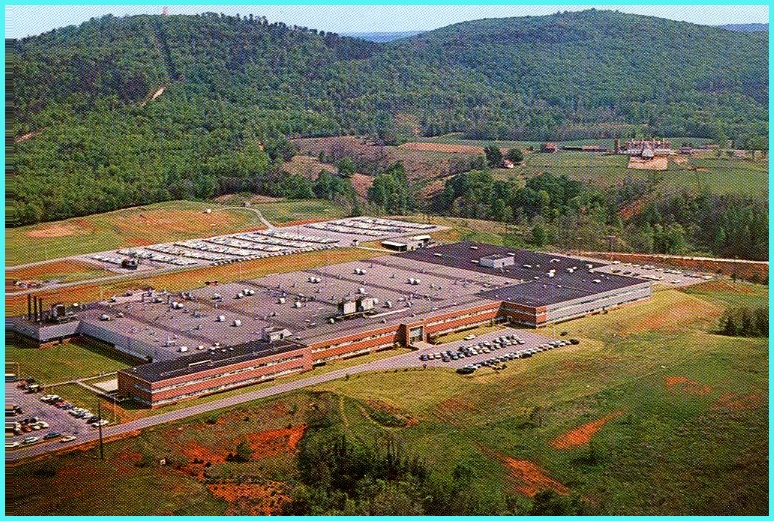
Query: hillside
x=125 y=111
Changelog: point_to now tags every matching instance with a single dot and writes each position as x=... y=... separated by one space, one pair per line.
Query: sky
x=27 y=20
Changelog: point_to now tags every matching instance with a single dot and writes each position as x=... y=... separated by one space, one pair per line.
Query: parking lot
x=485 y=350
x=667 y=276
x=50 y=419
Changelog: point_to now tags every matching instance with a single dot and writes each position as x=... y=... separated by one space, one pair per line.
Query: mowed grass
x=721 y=176
x=300 y=210
x=161 y=222
x=63 y=362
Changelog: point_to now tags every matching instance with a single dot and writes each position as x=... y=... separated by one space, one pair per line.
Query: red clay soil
x=685 y=385
x=737 y=402
x=529 y=479
x=526 y=477
x=270 y=443
x=583 y=434
x=254 y=499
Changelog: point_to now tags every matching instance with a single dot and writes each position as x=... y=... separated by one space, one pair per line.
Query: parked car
x=51 y=435
x=29 y=440
x=11 y=444
x=65 y=439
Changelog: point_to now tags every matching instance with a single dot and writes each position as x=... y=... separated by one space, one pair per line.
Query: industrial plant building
x=222 y=336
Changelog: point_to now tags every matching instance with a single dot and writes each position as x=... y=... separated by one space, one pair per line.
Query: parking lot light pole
x=99 y=426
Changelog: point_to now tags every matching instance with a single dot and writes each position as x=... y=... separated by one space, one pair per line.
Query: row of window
x=224 y=387
x=229 y=373
x=348 y=342
x=458 y=317
x=355 y=353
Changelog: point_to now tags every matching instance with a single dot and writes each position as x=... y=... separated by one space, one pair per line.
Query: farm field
x=63 y=362
x=161 y=222
x=646 y=416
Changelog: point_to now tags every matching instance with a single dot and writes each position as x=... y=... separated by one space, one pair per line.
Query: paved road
x=403 y=360
x=396 y=362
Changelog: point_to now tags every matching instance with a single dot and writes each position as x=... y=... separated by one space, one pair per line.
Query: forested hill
x=124 y=111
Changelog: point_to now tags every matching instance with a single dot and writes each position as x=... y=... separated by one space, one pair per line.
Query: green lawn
x=721 y=176
x=286 y=211
x=64 y=362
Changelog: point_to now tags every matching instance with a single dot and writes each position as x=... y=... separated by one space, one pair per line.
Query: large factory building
x=222 y=336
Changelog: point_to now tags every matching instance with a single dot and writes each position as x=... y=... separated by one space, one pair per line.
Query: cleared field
x=629 y=420
x=284 y=212
x=162 y=222
x=722 y=176
x=63 y=362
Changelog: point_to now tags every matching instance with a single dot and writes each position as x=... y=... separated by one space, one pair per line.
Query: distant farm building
x=549 y=148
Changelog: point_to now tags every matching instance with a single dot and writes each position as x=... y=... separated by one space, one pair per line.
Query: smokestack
x=29 y=307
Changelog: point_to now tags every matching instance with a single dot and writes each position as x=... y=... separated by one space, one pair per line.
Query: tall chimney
x=29 y=306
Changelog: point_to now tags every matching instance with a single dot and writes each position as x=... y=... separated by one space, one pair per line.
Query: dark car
x=466 y=370
x=51 y=435
x=574 y=341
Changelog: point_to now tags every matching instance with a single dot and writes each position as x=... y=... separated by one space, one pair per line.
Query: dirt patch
x=737 y=402
x=529 y=479
x=685 y=385
x=583 y=434
x=443 y=147
x=657 y=163
x=278 y=441
x=55 y=230
x=432 y=188
x=254 y=499
x=361 y=183
x=680 y=160
x=307 y=166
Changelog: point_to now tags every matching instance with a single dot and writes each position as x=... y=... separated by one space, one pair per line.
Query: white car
x=29 y=440
x=65 y=439
x=470 y=337
x=11 y=444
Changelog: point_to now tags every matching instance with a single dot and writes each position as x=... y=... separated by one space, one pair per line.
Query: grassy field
x=288 y=211
x=721 y=175
x=161 y=222
x=63 y=362
x=664 y=418
x=155 y=223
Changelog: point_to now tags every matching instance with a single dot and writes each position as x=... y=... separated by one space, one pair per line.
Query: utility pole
x=99 y=426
